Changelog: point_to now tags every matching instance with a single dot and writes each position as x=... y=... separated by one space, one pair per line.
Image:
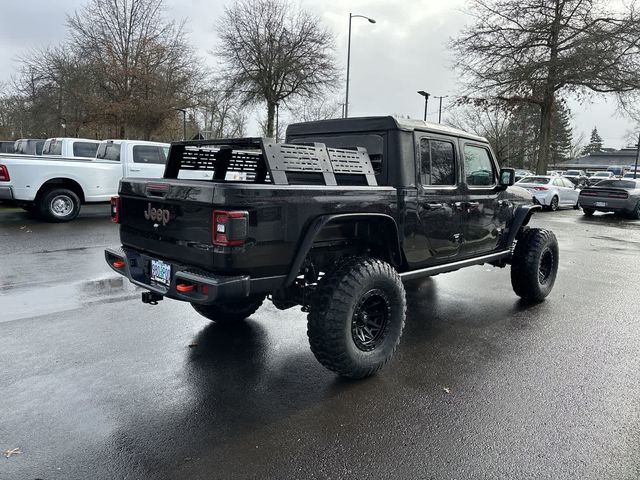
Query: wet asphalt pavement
x=96 y=385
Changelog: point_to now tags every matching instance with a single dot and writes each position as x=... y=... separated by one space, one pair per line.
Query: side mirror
x=507 y=177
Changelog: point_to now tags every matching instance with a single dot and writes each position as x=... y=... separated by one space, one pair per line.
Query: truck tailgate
x=169 y=219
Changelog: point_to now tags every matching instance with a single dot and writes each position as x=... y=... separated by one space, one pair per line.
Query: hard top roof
x=364 y=124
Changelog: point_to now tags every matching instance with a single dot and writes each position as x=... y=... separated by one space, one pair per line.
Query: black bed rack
x=262 y=160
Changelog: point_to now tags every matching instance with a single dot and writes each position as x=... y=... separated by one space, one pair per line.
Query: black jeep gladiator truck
x=334 y=220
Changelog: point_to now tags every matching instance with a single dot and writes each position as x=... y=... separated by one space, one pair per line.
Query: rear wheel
x=588 y=211
x=535 y=264
x=231 y=311
x=555 y=202
x=357 y=316
x=59 y=205
x=635 y=213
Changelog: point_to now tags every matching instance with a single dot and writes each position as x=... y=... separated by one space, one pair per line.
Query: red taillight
x=618 y=195
x=4 y=174
x=589 y=193
x=540 y=188
x=115 y=209
x=118 y=263
x=229 y=228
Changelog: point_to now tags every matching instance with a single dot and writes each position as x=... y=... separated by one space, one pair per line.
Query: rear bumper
x=207 y=288
x=6 y=193
x=608 y=204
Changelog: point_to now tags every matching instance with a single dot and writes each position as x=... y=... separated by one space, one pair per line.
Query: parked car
x=617 y=171
x=333 y=220
x=551 y=191
x=55 y=187
x=71 y=147
x=28 y=146
x=598 y=176
x=578 y=177
x=616 y=195
x=7 y=146
x=632 y=175
x=521 y=173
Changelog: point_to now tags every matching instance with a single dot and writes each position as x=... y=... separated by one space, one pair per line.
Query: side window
x=558 y=182
x=478 y=167
x=147 y=154
x=568 y=183
x=437 y=162
x=164 y=153
x=85 y=149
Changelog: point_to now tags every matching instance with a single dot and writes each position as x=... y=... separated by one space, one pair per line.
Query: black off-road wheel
x=59 y=205
x=588 y=211
x=534 y=265
x=230 y=312
x=357 y=316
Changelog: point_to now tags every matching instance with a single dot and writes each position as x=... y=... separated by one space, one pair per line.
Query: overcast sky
x=403 y=52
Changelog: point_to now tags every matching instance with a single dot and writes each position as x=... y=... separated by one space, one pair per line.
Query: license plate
x=160 y=272
x=601 y=204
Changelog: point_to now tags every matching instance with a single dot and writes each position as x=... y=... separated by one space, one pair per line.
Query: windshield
x=572 y=172
x=536 y=180
x=602 y=174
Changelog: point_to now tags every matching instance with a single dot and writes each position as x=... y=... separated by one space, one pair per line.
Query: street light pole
x=440 y=107
x=277 y=121
x=635 y=169
x=426 y=102
x=346 y=101
x=184 y=122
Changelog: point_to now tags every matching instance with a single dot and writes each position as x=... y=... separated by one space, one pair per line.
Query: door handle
x=135 y=170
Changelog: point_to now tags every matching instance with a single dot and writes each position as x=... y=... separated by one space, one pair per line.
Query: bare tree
x=275 y=52
x=310 y=109
x=533 y=50
x=142 y=64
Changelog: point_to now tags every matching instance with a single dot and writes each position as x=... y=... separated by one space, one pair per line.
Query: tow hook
x=152 y=298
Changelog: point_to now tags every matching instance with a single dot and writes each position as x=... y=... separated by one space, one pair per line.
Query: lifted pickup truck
x=334 y=220
x=56 y=184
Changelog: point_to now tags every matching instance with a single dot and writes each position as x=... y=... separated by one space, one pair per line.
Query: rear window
x=85 y=149
x=373 y=143
x=536 y=180
x=54 y=147
x=109 y=151
x=618 y=183
x=148 y=154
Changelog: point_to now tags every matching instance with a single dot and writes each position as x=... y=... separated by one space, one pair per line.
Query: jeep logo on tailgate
x=157 y=214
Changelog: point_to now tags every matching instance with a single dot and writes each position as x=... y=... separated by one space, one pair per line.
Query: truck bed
x=278 y=217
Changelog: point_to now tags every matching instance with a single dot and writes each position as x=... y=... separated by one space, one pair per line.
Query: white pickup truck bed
x=56 y=186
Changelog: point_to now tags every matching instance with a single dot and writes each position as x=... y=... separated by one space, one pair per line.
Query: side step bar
x=450 y=267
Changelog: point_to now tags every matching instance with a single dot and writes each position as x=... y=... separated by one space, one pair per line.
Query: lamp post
x=277 y=121
x=635 y=169
x=426 y=102
x=440 y=107
x=346 y=100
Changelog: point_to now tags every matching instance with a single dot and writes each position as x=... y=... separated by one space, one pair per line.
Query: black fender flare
x=521 y=217
x=319 y=223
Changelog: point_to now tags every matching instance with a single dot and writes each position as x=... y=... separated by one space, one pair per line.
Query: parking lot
x=95 y=384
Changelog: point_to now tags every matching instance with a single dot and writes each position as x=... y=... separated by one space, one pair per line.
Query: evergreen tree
x=561 y=134
x=595 y=143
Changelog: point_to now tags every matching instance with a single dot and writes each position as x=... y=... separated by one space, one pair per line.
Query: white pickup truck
x=55 y=186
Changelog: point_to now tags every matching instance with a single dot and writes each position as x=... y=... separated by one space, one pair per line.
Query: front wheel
x=230 y=311
x=588 y=211
x=357 y=316
x=535 y=264
x=59 y=205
